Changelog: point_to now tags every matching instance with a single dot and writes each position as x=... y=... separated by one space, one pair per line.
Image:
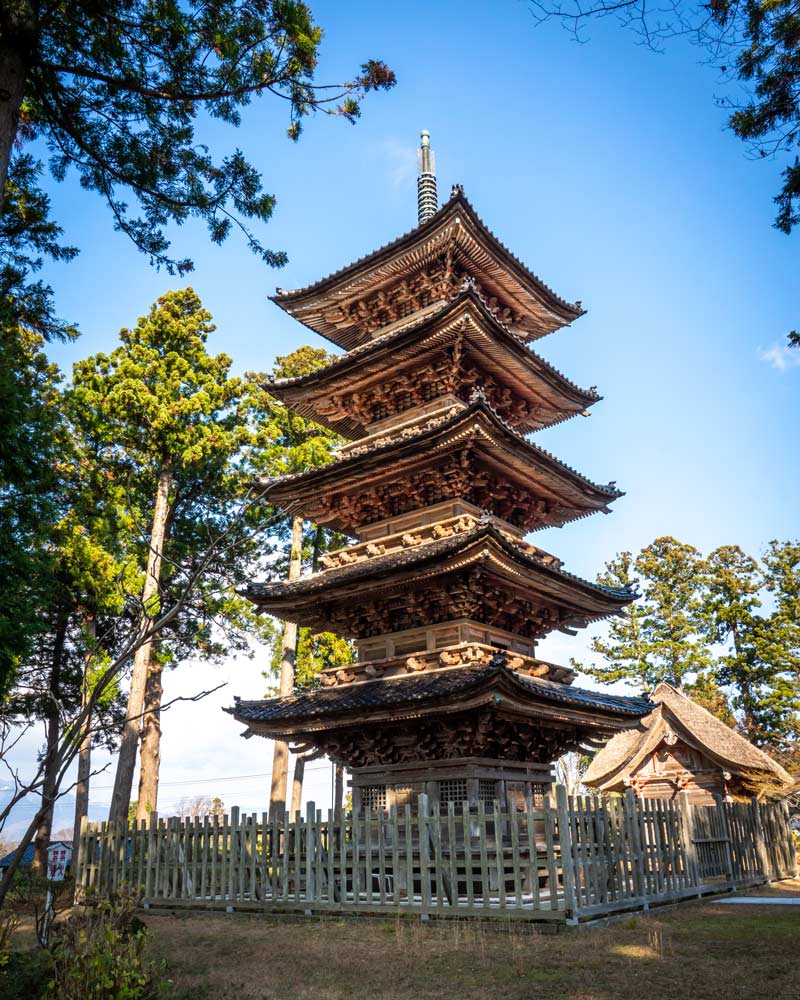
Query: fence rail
x=572 y=858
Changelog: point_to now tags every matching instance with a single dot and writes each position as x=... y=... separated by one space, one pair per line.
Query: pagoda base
x=468 y=779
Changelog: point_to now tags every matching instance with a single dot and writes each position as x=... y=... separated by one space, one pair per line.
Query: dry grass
x=703 y=952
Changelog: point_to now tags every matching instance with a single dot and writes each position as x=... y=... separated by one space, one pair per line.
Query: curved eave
x=434 y=559
x=355 y=279
x=288 y=490
x=295 y=392
x=456 y=689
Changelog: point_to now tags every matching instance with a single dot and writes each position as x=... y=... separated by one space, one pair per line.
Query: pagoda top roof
x=483 y=542
x=434 y=691
x=385 y=351
x=455 y=226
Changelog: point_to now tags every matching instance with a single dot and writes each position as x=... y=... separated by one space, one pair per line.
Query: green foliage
x=29 y=456
x=24 y=974
x=115 y=91
x=102 y=954
x=658 y=637
x=705 y=691
x=625 y=651
x=760 y=656
x=161 y=403
x=27 y=237
x=727 y=626
x=316 y=651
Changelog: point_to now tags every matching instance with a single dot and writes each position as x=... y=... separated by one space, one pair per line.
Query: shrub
x=101 y=953
x=24 y=974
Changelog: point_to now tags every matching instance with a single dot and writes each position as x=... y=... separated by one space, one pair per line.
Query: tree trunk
x=53 y=727
x=280 y=761
x=150 y=752
x=126 y=763
x=297 y=785
x=85 y=752
x=316 y=551
x=338 y=794
x=12 y=92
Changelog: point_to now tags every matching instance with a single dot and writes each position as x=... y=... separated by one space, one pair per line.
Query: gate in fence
x=569 y=859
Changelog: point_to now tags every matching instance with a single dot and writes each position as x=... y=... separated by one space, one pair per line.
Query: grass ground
x=708 y=951
x=703 y=952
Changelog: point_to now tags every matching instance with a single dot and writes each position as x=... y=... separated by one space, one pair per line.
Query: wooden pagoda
x=438 y=487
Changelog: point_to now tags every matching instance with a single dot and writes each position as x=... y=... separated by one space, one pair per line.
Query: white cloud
x=780 y=356
x=401 y=161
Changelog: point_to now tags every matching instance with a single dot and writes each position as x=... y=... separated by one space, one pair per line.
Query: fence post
x=726 y=833
x=423 y=812
x=565 y=842
x=635 y=834
x=761 y=840
x=791 y=871
x=687 y=829
x=311 y=812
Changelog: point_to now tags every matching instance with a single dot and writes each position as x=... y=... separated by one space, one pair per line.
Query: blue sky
x=608 y=170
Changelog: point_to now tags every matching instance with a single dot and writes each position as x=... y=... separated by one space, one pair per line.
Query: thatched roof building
x=680 y=747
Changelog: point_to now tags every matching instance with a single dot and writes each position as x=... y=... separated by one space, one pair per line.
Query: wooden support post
x=565 y=838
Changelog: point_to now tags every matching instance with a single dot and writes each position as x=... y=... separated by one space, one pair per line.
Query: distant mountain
x=24 y=811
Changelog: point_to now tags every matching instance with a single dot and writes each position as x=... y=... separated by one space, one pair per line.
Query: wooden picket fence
x=575 y=858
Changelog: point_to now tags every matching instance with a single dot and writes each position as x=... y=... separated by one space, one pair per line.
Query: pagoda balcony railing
x=464 y=654
x=420 y=535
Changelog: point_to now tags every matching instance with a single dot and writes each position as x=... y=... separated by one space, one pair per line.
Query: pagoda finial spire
x=427 y=200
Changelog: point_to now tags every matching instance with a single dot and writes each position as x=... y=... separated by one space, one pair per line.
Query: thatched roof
x=698 y=727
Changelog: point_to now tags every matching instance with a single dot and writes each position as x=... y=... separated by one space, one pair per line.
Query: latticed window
x=453 y=790
x=374 y=796
x=487 y=790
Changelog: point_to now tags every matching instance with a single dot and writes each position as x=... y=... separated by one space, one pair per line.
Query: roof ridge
x=468 y=288
x=457 y=196
x=429 y=550
x=477 y=401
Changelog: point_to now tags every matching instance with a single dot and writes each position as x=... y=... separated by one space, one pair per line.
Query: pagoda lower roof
x=438 y=693
x=534 y=489
x=456 y=228
x=551 y=396
x=499 y=578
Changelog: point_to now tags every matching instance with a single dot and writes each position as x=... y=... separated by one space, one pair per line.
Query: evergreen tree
x=624 y=650
x=30 y=416
x=172 y=422
x=759 y=657
x=672 y=574
x=657 y=638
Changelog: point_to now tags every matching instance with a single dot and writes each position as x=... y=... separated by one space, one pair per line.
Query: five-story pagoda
x=438 y=488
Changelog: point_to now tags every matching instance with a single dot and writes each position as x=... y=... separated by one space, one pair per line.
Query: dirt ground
x=701 y=951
